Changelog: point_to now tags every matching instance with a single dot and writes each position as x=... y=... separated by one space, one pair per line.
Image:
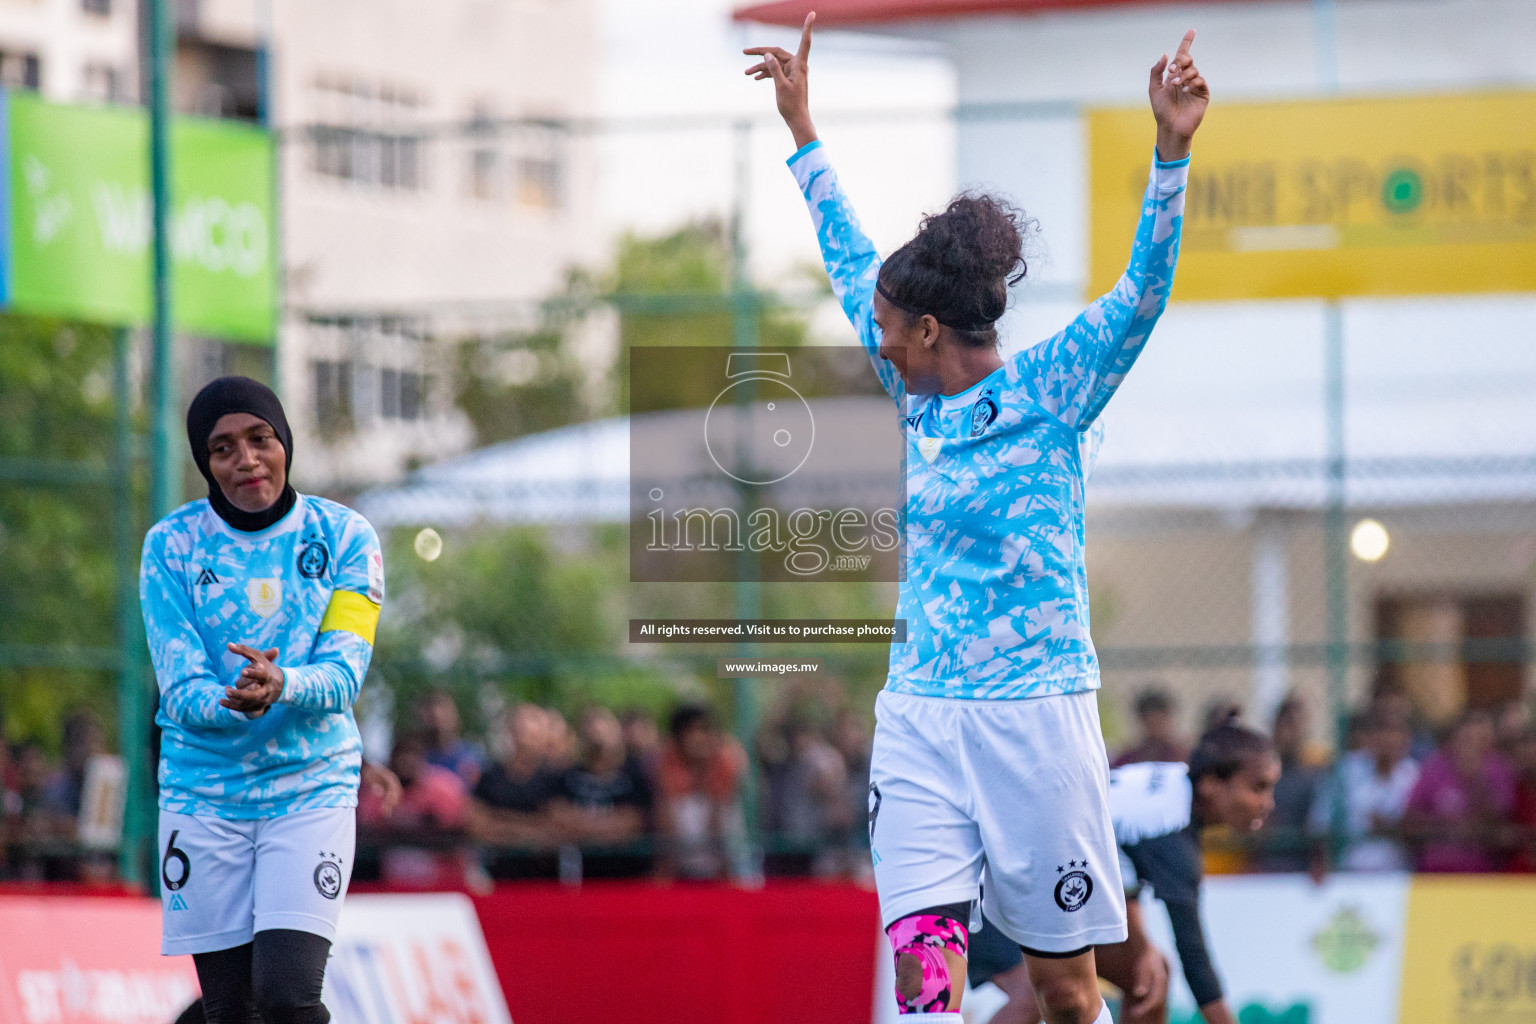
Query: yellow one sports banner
x=1331 y=198
x=1470 y=955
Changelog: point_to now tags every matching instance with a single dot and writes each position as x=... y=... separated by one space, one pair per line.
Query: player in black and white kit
x=1158 y=811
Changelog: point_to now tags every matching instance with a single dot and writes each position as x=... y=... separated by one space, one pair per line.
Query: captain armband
x=351 y=612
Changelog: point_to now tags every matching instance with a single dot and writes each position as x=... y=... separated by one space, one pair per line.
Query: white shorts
x=223 y=881
x=1009 y=793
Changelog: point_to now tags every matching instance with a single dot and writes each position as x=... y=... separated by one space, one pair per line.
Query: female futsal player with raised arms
x=988 y=762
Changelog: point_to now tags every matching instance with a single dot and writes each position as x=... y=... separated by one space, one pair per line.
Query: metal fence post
x=165 y=479
x=1337 y=543
x=133 y=741
x=744 y=335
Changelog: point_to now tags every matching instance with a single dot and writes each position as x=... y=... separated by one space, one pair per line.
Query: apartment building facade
x=429 y=186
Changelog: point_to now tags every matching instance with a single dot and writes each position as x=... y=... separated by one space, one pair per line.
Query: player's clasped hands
x=259 y=685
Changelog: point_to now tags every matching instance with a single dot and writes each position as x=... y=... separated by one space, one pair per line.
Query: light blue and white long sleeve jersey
x=996 y=592
x=310 y=585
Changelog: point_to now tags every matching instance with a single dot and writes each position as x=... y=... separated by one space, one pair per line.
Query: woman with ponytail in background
x=1159 y=810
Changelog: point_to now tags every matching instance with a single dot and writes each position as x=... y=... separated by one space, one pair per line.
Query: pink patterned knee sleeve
x=926 y=937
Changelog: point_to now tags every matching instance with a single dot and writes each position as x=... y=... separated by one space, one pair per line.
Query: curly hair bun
x=961 y=262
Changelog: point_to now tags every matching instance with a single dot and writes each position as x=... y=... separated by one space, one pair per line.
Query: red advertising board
x=684 y=954
x=87 y=960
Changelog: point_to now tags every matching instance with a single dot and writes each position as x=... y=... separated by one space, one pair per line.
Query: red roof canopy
x=869 y=12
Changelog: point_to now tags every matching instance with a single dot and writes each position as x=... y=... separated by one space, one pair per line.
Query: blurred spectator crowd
x=616 y=797
x=1401 y=796
x=41 y=803
x=627 y=796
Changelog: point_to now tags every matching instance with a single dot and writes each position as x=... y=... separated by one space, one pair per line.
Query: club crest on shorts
x=328 y=879
x=874 y=809
x=1074 y=888
x=265 y=595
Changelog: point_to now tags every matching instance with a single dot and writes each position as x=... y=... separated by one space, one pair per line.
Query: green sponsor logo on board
x=1347 y=942
x=81 y=219
x=1253 y=1013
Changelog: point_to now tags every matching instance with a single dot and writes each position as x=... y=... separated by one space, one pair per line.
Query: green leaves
x=56 y=571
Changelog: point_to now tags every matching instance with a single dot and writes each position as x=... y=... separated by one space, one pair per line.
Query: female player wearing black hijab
x=260 y=606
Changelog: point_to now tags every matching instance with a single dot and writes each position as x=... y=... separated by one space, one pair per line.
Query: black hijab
x=239 y=394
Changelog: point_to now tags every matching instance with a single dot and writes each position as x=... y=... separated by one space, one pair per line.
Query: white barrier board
x=412 y=960
x=1290 y=951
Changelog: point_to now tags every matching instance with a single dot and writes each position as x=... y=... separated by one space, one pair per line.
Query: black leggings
x=274 y=979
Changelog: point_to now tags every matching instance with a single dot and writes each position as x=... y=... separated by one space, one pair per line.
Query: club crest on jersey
x=930 y=447
x=1074 y=888
x=314 y=559
x=983 y=413
x=265 y=595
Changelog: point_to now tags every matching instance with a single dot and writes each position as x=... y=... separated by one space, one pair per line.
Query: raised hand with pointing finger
x=1179 y=97
x=790 y=88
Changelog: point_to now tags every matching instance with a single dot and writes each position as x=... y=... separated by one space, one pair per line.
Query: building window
x=484 y=173
x=20 y=70
x=1451 y=651
x=333 y=395
x=485 y=163
x=368 y=370
x=402 y=395
x=521 y=163
x=363 y=135
x=538 y=182
x=102 y=84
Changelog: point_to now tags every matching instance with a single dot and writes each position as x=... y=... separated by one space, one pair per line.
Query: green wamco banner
x=78 y=242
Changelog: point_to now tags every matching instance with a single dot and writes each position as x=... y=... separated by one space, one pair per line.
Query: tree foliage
x=529 y=613
x=541 y=614
x=676 y=290
x=57 y=577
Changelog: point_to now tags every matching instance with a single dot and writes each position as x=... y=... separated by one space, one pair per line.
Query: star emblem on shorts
x=1070 y=864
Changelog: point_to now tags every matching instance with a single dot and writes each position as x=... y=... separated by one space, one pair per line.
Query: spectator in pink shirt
x=1463 y=800
x=433 y=810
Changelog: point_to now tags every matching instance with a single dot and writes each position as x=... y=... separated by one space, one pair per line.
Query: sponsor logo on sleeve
x=376 y=576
